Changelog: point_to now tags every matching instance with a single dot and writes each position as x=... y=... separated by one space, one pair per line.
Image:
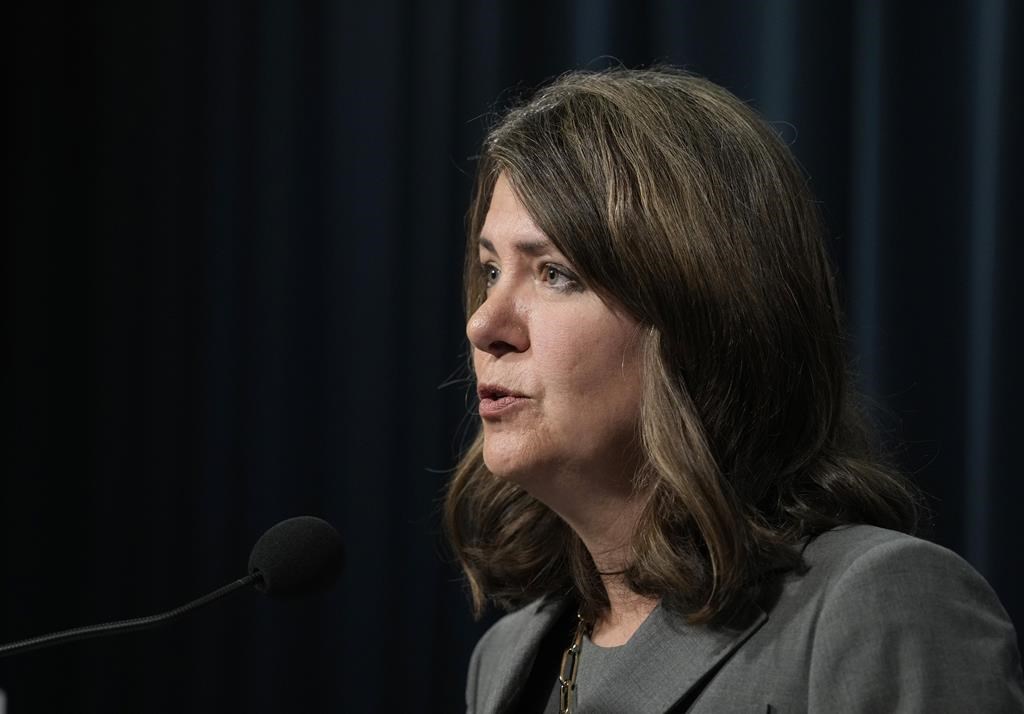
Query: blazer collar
x=514 y=666
x=669 y=660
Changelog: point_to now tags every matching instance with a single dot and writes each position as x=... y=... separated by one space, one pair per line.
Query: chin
x=535 y=476
x=509 y=464
x=504 y=469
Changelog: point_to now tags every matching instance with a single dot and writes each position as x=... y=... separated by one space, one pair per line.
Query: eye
x=490 y=273
x=560 y=278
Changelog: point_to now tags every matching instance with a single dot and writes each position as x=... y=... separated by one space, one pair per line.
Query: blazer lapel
x=517 y=657
x=668 y=663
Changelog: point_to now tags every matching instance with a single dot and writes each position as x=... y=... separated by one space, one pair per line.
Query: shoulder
x=863 y=566
x=902 y=619
x=840 y=548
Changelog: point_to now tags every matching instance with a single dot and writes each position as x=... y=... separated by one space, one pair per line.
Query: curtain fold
x=232 y=267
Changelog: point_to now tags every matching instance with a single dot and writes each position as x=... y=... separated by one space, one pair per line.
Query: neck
x=607 y=531
x=626 y=611
x=603 y=509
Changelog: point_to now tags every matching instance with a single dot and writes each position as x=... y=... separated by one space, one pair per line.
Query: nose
x=499 y=325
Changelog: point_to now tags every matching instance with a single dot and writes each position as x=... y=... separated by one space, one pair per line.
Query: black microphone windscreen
x=296 y=557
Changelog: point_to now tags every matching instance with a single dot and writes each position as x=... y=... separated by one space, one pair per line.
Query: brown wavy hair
x=676 y=201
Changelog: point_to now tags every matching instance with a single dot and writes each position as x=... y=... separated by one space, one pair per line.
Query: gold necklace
x=570 y=667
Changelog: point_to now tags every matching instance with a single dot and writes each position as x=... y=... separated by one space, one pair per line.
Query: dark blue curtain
x=231 y=287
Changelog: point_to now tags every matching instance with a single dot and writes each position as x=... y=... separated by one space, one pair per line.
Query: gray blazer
x=880 y=622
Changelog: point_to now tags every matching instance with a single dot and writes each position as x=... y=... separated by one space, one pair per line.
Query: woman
x=672 y=486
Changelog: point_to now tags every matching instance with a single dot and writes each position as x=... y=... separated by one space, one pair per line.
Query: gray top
x=879 y=622
x=600 y=664
x=597 y=664
x=603 y=663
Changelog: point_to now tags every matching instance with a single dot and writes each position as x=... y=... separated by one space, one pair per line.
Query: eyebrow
x=529 y=247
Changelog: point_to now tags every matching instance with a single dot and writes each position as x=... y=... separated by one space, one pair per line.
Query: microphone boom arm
x=121 y=626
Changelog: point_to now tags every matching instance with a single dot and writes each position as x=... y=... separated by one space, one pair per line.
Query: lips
x=497 y=400
x=496 y=392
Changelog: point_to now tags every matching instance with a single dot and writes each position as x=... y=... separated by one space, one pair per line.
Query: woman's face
x=557 y=368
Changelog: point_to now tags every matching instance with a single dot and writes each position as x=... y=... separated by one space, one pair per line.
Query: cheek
x=564 y=359
x=595 y=369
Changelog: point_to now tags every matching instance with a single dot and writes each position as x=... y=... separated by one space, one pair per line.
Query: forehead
x=509 y=226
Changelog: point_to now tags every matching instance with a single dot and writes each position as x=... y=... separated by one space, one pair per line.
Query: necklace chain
x=570 y=668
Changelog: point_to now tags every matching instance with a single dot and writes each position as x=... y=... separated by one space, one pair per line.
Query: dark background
x=231 y=260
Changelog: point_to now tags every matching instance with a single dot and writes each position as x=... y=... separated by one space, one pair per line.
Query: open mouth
x=494 y=393
x=495 y=399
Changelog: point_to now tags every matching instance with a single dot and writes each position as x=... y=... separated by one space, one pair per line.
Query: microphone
x=296 y=557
